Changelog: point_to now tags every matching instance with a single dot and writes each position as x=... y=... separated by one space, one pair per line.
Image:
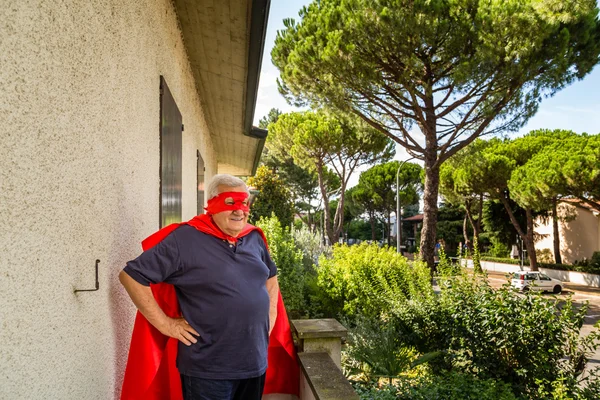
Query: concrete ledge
x=319 y=328
x=320 y=335
x=325 y=379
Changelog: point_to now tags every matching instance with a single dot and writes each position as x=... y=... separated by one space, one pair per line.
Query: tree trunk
x=327 y=228
x=372 y=221
x=529 y=244
x=430 y=209
x=471 y=220
x=555 y=233
x=480 y=216
x=389 y=228
x=465 y=233
x=338 y=221
x=322 y=225
x=528 y=236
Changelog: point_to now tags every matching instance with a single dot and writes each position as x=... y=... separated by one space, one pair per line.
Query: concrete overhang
x=225 y=42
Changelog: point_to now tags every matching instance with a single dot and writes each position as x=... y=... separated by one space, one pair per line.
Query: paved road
x=580 y=295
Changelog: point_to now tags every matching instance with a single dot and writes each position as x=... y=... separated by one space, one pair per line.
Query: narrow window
x=200 y=182
x=170 y=157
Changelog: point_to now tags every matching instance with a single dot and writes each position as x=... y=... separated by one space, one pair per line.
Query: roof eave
x=258 y=30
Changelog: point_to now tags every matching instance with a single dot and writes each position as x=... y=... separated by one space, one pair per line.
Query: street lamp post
x=399 y=209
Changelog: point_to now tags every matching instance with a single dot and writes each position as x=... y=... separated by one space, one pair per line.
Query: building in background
x=114 y=113
x=579 y=231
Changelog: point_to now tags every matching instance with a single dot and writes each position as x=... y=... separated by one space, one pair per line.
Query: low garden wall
x=319 y=352
x=580 y=278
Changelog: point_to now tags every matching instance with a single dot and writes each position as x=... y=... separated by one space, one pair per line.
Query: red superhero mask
x=220 y=202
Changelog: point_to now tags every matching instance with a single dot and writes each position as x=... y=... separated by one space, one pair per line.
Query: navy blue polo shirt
x=222 y=294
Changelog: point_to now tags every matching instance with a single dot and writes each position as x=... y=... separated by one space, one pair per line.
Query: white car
x=534 y=280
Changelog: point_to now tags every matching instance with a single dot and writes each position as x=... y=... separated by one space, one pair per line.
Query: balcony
x=319 y=353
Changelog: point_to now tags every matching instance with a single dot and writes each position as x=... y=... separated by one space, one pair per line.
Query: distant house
x=114 y=114
x=579 y=233
x=417 y=222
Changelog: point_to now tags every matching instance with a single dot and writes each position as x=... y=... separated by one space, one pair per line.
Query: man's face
x=231 y=222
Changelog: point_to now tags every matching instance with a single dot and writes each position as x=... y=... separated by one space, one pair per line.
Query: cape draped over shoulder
x=151 y=372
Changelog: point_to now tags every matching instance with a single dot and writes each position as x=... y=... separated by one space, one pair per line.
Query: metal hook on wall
x=97 y=282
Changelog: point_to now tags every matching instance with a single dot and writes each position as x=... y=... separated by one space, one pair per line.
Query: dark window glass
x=170 y=157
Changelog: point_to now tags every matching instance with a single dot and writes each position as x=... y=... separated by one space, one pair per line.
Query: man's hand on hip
x=179 y=329
x=142 y=297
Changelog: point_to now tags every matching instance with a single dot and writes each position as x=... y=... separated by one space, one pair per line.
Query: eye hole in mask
x=228 y=201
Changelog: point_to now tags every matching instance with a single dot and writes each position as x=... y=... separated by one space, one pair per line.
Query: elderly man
x=227 y=290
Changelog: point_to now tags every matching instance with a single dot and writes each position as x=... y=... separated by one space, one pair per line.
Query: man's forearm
x=144 y=301
x=273 y=290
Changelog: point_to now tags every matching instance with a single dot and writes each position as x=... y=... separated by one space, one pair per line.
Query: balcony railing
x=319 y=352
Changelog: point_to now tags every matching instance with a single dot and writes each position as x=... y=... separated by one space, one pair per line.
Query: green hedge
x=525 y=341
x=447 y=386
x=368 y=280
x=503 y=260
x=291 y=274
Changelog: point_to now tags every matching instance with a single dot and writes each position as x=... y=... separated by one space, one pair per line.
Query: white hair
x=223 y=180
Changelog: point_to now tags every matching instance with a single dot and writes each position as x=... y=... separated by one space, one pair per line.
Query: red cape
x=151 y=373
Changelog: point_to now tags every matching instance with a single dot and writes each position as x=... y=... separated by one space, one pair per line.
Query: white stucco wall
x=579 y=234
x=79 y=180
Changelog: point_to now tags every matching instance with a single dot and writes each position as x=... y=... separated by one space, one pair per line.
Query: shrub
x=595 y=260
x=526 y=341
x=445 y=267
x=369 y=280
x=290 y=271
x=372 y=391
x=566 y=388
x=447 y=386
x=591 y=266
x=504 y=260
x=311 y=245
x=454 y=386
x=375 y=350
x=584 y=262
x=497 y=249
x=544 y=256
x=589 y=388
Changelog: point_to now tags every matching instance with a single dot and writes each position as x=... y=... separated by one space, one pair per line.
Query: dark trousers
x=215 y=389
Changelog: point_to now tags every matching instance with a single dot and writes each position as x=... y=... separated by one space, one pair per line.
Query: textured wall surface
x=579 y=236
x=79 y=180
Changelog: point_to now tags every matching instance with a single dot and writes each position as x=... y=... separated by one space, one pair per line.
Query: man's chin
x=236 y=228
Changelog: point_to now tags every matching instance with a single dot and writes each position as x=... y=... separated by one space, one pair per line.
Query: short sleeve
x=158 y=264
x=266 y=258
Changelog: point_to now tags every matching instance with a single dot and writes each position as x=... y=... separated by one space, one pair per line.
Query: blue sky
x=576 y=107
